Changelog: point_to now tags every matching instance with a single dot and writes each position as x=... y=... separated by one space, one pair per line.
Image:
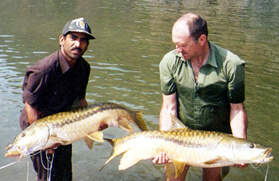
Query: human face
x=73 y=45
x=184 y=43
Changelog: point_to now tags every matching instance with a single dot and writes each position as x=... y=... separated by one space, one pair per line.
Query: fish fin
x=179 y=168
x=174 y=169
x=112 y=155
x=59 y=140
x=97 y=136
x=136 y=119
x=89 y=142
x=139 y=121
x=110 y=141
x=213 y=161
x=176 y=123
x=124 y=124
x=170 y=171
x=129 y=158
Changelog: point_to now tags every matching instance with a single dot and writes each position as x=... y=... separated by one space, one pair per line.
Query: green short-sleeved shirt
x=205 y=104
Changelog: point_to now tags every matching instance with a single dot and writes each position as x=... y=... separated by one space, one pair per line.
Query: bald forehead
x=182 y=24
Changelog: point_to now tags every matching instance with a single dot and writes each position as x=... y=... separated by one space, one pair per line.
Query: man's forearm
x=239 y=122
x=32 y=113
x=169 y=106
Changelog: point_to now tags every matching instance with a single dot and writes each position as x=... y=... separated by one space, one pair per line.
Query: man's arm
x=238 y=120
x=169 y=106
x=32 y=113
x=239 y=123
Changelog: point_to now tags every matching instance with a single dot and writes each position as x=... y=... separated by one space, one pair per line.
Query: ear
x=61 y=40
x=202 y=39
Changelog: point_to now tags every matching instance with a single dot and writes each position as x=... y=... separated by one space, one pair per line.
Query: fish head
x=32 y=139
x=243 y=151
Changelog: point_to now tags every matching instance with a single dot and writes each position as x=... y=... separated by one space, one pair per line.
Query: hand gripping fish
x=67 y=127
x=187 y=147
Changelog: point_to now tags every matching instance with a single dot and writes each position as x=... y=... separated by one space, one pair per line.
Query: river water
x=131 y=38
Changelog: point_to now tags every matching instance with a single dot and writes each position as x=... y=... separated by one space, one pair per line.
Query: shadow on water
x=131 y=38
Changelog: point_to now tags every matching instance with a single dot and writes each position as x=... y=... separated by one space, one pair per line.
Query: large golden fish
x=67 y=127
x=187 y=147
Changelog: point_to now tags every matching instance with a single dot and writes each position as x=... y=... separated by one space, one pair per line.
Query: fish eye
x=251 y=145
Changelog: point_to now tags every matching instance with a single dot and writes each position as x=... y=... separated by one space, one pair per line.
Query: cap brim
x=89 y=35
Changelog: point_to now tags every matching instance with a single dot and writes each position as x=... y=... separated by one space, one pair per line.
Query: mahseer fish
x=185 y=146
x=67 y=127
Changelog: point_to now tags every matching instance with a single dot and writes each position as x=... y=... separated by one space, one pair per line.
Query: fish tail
x=110 y=141
x=139 y=121
x=112 y=155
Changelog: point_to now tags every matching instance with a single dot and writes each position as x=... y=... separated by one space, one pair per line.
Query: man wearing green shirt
x=203 y=85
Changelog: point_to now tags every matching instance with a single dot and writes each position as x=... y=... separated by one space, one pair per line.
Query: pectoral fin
x=214 y=161
x=59 y=140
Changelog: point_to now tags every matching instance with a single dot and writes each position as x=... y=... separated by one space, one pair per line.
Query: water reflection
x=131 y=38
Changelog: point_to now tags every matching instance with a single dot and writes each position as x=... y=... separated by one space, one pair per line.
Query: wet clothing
x=204 y=104
x=52 y=86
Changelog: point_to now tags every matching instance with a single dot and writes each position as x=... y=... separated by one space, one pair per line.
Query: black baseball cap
x=77 y=25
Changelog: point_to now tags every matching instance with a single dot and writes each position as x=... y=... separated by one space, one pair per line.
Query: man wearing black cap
x=53 y=85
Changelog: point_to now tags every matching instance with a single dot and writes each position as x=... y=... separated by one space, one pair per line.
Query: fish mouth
x=267 y=156
x=13 y=151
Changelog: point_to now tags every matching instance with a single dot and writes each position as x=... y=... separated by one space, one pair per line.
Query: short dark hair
x=197 y=27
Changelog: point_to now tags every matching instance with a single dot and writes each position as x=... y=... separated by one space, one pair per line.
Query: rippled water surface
x=131 y=38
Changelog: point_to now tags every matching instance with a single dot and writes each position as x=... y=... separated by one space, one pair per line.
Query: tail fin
x=139 y=121
x=111 y=155
x=110 y=141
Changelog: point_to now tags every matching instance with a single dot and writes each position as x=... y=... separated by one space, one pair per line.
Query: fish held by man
x=67 y=127
x=187 y=147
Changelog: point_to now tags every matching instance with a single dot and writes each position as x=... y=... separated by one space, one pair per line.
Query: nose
x=178 y=49
x=77 y=43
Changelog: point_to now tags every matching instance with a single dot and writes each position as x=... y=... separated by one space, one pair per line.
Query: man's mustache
x=76 y=48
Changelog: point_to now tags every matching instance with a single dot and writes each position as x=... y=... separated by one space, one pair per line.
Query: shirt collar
x=63 y=62
x=212 y=59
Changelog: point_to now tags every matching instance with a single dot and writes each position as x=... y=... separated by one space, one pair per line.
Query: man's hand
x=241 y=165
x=52 y=149
x=161 y=158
